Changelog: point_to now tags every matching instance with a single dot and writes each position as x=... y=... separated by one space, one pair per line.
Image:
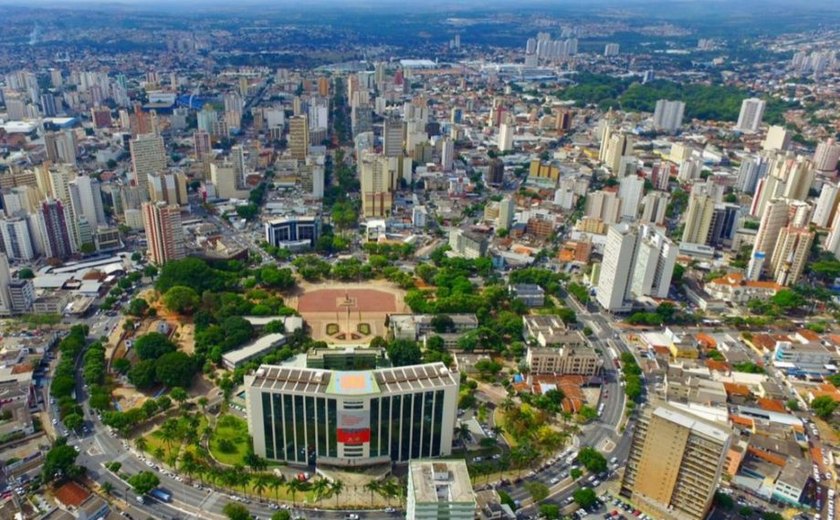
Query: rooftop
x=441 y=481
x=693 y=423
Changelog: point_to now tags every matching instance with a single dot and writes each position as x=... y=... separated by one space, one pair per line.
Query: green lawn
x=235 y=430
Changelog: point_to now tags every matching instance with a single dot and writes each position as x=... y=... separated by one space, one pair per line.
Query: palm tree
x=294 y=486
x=261 y=482
x=107 y=487
x=462 y=432
x=373 y=486
x=141 y=443
x=189 y=465
x=159 y=454
x=168 y=433
x=336 y=490
x=276 y=483
x=321 y=487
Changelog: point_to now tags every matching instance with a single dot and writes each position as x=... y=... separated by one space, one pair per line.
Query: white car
x=555 y=480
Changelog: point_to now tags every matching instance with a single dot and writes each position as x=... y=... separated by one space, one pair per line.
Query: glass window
x=396 y=403
x=322 y=426
x=300 y=430
x=277 y=407
x=289 y=422
x=405 y=429
x=428 y=410
x=374 y=427
x=417 y=426
x=437 y=423
x=268 y=425
x=385 y=427
x=311 y=426
x=331 y=428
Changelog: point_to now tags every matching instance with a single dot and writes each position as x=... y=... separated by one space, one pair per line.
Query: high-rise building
x=675 y=462
x=233 y=109
x=563 y=120
x=224 y=178
x=724 y=224
x=611 y=49
x=17 y=242
x=393 y=133
x=298 y=137
x=351 y=418
x=698 y=218
x=752 y=169
x=655 y=207
x=603 y=205
x=163 y=232
x=447 y=155
x=507 y=208
x=791 y=253
x=148 y=155
x=440 y=490
x=505 y=137
x=826 y=157
x=777 y=138
x=56 y=230
x=778 y=214
x=101 y=117
x=293 y=233
x=378 y=182
x=826 y=205
x=61 y=147
x=630 y=191
x=619 y=145
x=495 y=172
x=653 y=267
x=617 y=268
x=201 y=144
x=86 y=200
x=752 y=112
x=668 y=115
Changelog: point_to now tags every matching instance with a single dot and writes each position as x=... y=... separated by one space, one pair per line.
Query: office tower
x=826 y=205
x=17 y=241
x=777 y=138
x=201 y=144
x=162 y=188
x=495 y=172
x=752 y=112
x=361 y=120
x=148 y=155
x=653 y=266
x=506 y=210
x=789 y=176
x=378 y=182
x=698 y=218
x=668 y=115
x=618 y=146
x=324 y=87
x=140 y=121
x=505 y=137
x=365 y=416
x=163 y=232
x=447 y=155
x=724 y=224
x=753 y=168
x=654 y=208
x=440 y=490
x=227 y=182
x=791 y=253
x=55 y=227
x=20 y=200
x=630 y=191
x=563 y=120
x=603 y=205
x=61 y=147
x=86 y=199
x=392 y=137
x=298 y=137
x=611 y=49
x=15 y=109
x=627 y=165
x=206 y=118
x=675 y=462
x=826 y=157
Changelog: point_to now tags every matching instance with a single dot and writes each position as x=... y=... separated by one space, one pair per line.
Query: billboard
x=353 y=426
x=353 y=436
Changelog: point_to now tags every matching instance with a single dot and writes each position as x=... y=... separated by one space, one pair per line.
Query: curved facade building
x=352 y=418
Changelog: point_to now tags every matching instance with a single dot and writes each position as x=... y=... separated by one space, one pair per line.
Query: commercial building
x=163 y=232
x=415 y=327
x=303 y=415
x=777 y=138
x=378 y=182
x=255 y=349
x=55 y=229
x=826 y=156
x=295 y=233
x=505 y=137
x=440 y=490
x=16 y=239
x=532 y=295
x=550 y=331
x=582 y=361
x=467 y=244
x=675 y=463
x=348 y=358
x=298 y=137
x=804 y=357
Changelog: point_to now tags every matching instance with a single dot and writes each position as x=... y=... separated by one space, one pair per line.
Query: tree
x=107 y=487
x=281 y=515
x=442 y=323
x=337 y=489
x=26 y=273
x=175 y=369
x=178 y=394
x=235 y=511
x=60 y=462
x=585 y=497
x=823 y=406
x=575 y=473
x=142 y=374
x=180 y=299
x=403 y=352
x=296 y=486
x=153 y=345
x=592 y=459
x=281 y=279
x=143 y=482
x=550 y=511
x=74 y=422
x=138 y=307
x=537 y=490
